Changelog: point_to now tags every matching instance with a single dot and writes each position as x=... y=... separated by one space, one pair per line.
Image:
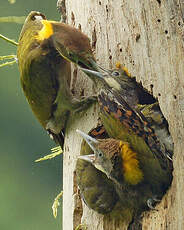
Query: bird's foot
x=58 y=138
x=50 y=134
x=53 y=127
x=84 y=103
x=151 y=202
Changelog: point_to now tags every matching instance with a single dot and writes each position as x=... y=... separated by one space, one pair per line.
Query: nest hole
x=146 y=97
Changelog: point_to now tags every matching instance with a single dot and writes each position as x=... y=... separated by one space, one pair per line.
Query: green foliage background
x=27 y=189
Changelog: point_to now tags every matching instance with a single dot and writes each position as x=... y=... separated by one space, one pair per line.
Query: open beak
x=92 y=142
x=90 y=158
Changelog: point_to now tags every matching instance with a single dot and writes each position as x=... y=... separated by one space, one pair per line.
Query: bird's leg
x=62 y=107
x=151 y=202
x=84 y=103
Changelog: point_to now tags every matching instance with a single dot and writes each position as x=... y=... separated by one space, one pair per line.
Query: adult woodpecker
x=45 y=74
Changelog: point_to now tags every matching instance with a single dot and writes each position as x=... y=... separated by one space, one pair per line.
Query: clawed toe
x=85 y=103
x=151 y=202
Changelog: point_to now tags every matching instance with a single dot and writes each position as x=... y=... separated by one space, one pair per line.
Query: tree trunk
x=147 y=37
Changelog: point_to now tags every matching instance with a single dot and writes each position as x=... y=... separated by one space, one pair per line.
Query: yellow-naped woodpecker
x=120 y=100
x=97 y=191
x=45 y=74
x=136 y=174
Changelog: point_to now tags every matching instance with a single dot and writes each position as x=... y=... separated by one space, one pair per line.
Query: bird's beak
x=93 y=74
x=106 y=71
x=92 y=142
x=93 y=64
x=105 y=76
x=90 y=158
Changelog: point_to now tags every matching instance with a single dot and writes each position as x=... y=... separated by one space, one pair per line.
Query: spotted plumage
x=130 y=122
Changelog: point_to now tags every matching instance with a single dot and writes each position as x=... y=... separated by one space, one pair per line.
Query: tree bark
x=147 y=37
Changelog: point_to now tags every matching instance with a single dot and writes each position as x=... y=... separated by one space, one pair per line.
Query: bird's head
x=32 y=25
x=115 y=158
x=113 y=78
x=104 y=151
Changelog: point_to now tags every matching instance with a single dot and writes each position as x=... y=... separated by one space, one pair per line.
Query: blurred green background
x=27 y=189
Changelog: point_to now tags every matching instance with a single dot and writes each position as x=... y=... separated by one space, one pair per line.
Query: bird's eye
x=100 y=154
x=38 y=16
x=33 y=18
x=115 y=73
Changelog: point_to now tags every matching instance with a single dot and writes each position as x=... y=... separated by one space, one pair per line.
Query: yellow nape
x=46 y=31
x=119 y=66
x=132 y=173
x=126 y=71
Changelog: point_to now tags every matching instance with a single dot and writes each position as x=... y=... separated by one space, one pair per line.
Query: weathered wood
x=146 y=36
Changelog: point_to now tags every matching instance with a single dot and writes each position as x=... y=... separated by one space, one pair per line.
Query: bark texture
x=148 y=38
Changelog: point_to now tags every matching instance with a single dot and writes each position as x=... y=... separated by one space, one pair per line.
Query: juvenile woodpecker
x=137 y=175
x=120 y=98
x=97 y=191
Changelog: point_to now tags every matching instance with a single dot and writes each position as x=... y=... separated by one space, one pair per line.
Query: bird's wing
x=123 y=122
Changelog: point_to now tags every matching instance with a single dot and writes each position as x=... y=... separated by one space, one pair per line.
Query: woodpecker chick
x=137 y=175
